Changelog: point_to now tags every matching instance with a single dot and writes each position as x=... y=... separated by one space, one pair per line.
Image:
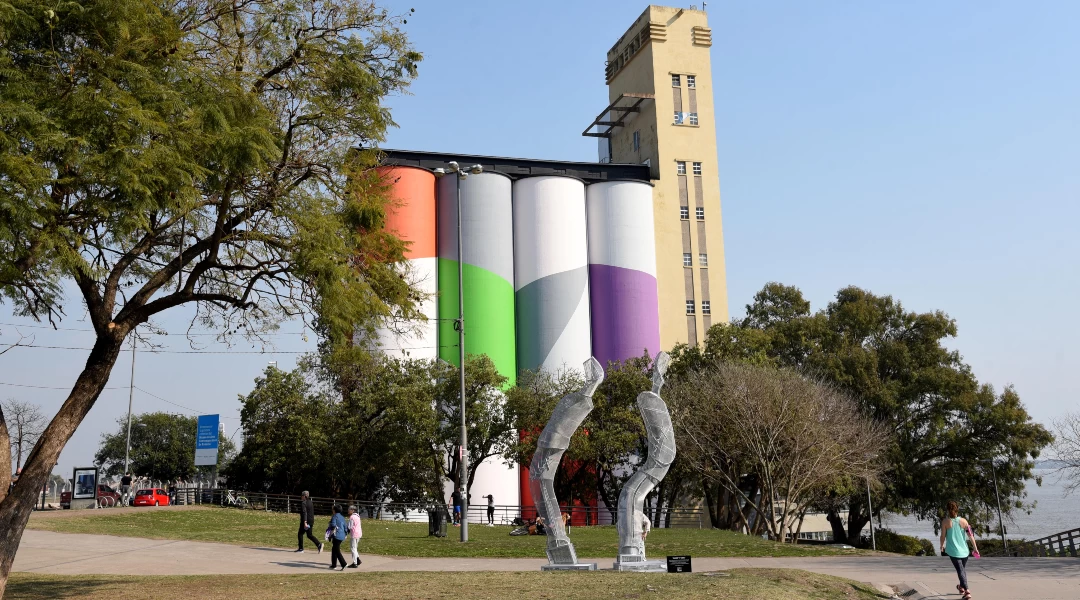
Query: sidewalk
x=74 y=554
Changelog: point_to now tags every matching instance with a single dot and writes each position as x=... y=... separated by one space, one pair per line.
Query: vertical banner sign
x=206 y=441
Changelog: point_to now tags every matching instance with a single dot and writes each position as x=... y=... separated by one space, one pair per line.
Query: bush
x=889 y=541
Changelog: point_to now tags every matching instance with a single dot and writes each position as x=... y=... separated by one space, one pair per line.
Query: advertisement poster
x=85 y=484
x=206 y=441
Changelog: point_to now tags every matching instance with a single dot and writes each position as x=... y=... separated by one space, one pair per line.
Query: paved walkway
x=75 y=554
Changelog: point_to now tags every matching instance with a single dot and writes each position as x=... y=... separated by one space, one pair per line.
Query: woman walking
x=954 y=544
x=337 y=535
x=355 y=532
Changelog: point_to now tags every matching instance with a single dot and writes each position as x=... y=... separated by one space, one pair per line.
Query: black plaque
x=678 y=564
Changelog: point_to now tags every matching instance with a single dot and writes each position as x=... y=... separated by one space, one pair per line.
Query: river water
x=1053 y=513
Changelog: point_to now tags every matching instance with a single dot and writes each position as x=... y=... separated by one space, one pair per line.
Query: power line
x=47 y=387
x=277 y=333
x=175 y=351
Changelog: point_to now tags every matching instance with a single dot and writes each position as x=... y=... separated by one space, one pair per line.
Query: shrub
x=889 y=541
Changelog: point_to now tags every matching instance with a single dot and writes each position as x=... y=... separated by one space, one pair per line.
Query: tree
x=162 y=447
x=341 y=425
x=24 y=424
x=945 y=427
x=489 y=427
x=1066 y=449
x=195 y=152
x=795 y=439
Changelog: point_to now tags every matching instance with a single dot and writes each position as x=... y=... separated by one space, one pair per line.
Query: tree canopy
x=200 y=152
x=162 y=447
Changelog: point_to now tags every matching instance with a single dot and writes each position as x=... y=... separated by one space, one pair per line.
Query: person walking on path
x=456 y=498
x=355 y=533
x=336 y=535
x=491 y=510
x=307 y=521
x=954 y=544
x=125 y=489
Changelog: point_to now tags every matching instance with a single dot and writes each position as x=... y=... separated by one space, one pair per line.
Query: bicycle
x=235 y=500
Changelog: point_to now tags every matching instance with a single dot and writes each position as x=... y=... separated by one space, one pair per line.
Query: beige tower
x=661 y=114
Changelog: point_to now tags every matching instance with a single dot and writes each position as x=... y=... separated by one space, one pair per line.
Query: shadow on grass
x=43 y=589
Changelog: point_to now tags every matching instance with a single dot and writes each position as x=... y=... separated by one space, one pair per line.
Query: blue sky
x=927 y=150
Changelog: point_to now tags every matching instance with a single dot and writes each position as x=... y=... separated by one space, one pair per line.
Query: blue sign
x=206 y=441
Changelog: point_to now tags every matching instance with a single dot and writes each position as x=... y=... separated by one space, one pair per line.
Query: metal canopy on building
x=616 y=113
x=518 y=168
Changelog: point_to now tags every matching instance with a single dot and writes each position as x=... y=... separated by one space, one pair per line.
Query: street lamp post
x=870 y=510
x=1001 y=524
x=459 y=325
x=131 y=395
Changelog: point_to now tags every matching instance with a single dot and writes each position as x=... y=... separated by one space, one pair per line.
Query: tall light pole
x=1001 y=524
x=459 y=325
x=870 y=509
x=131 y=396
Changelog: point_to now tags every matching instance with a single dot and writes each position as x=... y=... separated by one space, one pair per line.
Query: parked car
x=151 y=497
x=106 y=497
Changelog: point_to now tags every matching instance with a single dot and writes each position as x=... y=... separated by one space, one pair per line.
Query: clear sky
x=928 y=150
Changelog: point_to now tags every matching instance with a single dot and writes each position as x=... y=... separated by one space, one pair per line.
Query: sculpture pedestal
x=573 y=567
x=641 y=566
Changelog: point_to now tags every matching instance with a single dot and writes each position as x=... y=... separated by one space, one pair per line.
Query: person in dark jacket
x=307 y=521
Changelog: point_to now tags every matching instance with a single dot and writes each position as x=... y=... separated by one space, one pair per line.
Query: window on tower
x=706 y=308
x=703 y=260
x=689 y=307
x=684 y=213
x=691 y=81
x=687 y=260
x=680 y=166
x=693 y=118
x=676 y=81
x=697 y=168
x=700 y=213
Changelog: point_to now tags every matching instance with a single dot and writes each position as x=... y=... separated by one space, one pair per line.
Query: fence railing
x=1066 y=543
x=502 y=514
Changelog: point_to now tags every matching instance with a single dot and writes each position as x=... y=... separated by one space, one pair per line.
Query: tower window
x=689 y=307
x=687 y=260
x=706 y=309
x=691 y=81
x=637 y=141
x=680 y=118
x=703 y=260
x=684 y=213
x=676 y=81
x=697 y=168
x=700 y=211
x=680 y=167
x=693 y=118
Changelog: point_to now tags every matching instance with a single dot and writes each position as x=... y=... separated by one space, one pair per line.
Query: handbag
x=329 y=532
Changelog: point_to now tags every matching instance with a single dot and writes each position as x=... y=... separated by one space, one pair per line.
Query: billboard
x=206 y=441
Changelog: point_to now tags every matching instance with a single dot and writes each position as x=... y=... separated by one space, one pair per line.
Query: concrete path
x=74 y=554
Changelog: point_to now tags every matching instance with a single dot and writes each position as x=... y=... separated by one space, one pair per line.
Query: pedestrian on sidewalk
x=307 y=521
x=355 y=533
x=336 y=535
x=954 y=545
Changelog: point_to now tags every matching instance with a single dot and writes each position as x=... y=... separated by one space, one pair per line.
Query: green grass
x=747 y=584
x=258 y=528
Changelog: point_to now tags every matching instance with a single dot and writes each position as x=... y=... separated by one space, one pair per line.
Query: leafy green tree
x=489 y=425
x=162 y=447
x=946 y=427
x=201 y=152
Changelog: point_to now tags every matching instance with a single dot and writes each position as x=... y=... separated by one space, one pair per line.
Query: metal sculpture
x=553 y=442
x=661 y=438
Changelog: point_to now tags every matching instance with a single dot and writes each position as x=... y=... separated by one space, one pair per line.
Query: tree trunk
x=837 y=523
x=15 y=508
x=856 y=521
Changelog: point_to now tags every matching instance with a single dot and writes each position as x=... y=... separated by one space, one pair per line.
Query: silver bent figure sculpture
x=661 y=438
x=553 y=442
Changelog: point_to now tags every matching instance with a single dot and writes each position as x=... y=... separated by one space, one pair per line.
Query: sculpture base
x=573 y=567
x=645 y=566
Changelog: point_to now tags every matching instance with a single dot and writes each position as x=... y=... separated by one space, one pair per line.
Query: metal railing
x=503 y=514
x=1066 y=543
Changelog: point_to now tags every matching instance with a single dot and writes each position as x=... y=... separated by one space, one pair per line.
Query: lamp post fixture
x=131 y=395
x=459 y=325
x=1001 y=524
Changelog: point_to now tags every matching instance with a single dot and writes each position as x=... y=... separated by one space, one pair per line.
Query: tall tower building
x=661 y=114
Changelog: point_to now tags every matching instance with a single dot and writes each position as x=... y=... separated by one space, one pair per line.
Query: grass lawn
x=258 y=528
x=747 y=584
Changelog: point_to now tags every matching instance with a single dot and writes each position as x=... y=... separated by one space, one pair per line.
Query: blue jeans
x=960 y=564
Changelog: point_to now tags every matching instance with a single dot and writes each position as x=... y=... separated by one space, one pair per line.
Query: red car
x=151 y=497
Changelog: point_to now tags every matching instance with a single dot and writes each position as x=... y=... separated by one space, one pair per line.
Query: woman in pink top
x=355 y=532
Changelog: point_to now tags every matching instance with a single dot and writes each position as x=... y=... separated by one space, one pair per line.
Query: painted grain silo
x=551 y=273
x=488 y=278
x=411 y=216
x=622 y=270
